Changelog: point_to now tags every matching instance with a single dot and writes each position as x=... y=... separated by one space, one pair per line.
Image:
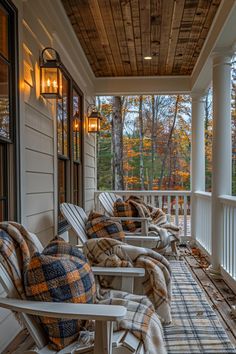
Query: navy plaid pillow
x=102 y=226
x=61 y=273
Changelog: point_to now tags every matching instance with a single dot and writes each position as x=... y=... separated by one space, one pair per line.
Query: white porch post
x=197 y=156
x=221 y=150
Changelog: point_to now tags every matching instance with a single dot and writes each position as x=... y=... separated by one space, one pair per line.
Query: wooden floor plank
x=218 y=293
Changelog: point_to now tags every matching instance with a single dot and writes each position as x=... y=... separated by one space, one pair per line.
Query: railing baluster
x=160 y=202
x=177 y=210
x=169 y=204
x=185 y=215
x=227 y=237
x=153 y=200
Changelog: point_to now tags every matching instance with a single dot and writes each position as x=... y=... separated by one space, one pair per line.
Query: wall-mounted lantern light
x=50 y=75
x=94 y=119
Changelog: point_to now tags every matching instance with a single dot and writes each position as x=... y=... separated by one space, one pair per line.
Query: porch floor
x=219 y=294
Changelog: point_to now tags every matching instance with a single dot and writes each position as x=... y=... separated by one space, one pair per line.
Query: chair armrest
x=144 y=222
x=141 y=238
x=66 y=310
x=132 y=218
x=119 y=271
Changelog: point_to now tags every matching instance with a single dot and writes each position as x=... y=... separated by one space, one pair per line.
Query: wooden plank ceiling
x=116 y=35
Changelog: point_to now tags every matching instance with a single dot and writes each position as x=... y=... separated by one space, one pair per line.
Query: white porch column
x=221 y=150
x=197 y=156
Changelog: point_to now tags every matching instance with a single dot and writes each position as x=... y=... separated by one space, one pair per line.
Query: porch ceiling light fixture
x=94 y=119
x=50 y=74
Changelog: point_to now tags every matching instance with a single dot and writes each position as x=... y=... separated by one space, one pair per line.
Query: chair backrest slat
x=77 y=219
x=107 y=201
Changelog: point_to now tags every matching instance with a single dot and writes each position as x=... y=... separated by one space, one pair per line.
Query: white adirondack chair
x=107 y=200
x=106 y=341
x=77 y=218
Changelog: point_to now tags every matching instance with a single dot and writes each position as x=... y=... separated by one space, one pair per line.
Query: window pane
x=4 y=101
x=3 y=33
x=61 y=185
x=62 y=120
x=65 y=115
x=76 y=125
x=2 y=184
x=59 y=127
x=62 y=180
x=76 y=184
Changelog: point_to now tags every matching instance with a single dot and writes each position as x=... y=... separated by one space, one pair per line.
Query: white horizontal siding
x=41 y=222
x=38 y=162
x=39 y=182
x=38 y=203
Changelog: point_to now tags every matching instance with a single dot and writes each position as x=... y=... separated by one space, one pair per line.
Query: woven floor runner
x=195 y=327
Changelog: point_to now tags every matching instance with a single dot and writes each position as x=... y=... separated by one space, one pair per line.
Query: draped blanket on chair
x=159 y=224
x=16 y=248
x=156 y=284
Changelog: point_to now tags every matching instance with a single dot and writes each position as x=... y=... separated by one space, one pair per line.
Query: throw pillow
x=102 y=226
x=61 y=273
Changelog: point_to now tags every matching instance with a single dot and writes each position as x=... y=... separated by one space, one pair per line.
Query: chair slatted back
x=77 y=218
x=107 y=201
x=30 y=322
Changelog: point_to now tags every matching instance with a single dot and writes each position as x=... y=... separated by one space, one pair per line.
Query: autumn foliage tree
x=155 y=139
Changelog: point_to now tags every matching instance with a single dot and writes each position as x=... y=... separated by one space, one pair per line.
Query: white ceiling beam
x=142 y=85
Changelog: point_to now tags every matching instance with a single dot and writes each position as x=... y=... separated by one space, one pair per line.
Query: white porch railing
x=203 y=219
x=228 y=255
x=175 y=203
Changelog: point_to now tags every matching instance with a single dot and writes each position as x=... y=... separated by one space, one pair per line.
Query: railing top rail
x=203 y=194
x=228 y=199
x=150 y=192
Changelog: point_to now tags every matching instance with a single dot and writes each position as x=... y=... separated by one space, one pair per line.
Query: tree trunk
x=117 y=140
x=152 y=143
x=168 y=145
x=141 y=163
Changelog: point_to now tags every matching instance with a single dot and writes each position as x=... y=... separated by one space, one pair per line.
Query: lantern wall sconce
x=94 y=119
x=50 y=74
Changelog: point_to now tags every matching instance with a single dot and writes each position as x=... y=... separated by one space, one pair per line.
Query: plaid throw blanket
x=157 y=281
x=159 y=224
x=17 y=247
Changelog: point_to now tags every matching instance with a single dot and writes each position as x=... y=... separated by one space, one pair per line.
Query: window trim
x=13 y=144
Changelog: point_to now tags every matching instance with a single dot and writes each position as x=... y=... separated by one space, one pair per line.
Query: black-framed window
x=8 y=112
x=69 y=143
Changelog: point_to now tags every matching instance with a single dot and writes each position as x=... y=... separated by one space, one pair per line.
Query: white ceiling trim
x=142 y=85
x=221 y=35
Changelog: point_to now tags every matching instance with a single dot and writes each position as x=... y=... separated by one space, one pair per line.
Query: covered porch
x=100 y=57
